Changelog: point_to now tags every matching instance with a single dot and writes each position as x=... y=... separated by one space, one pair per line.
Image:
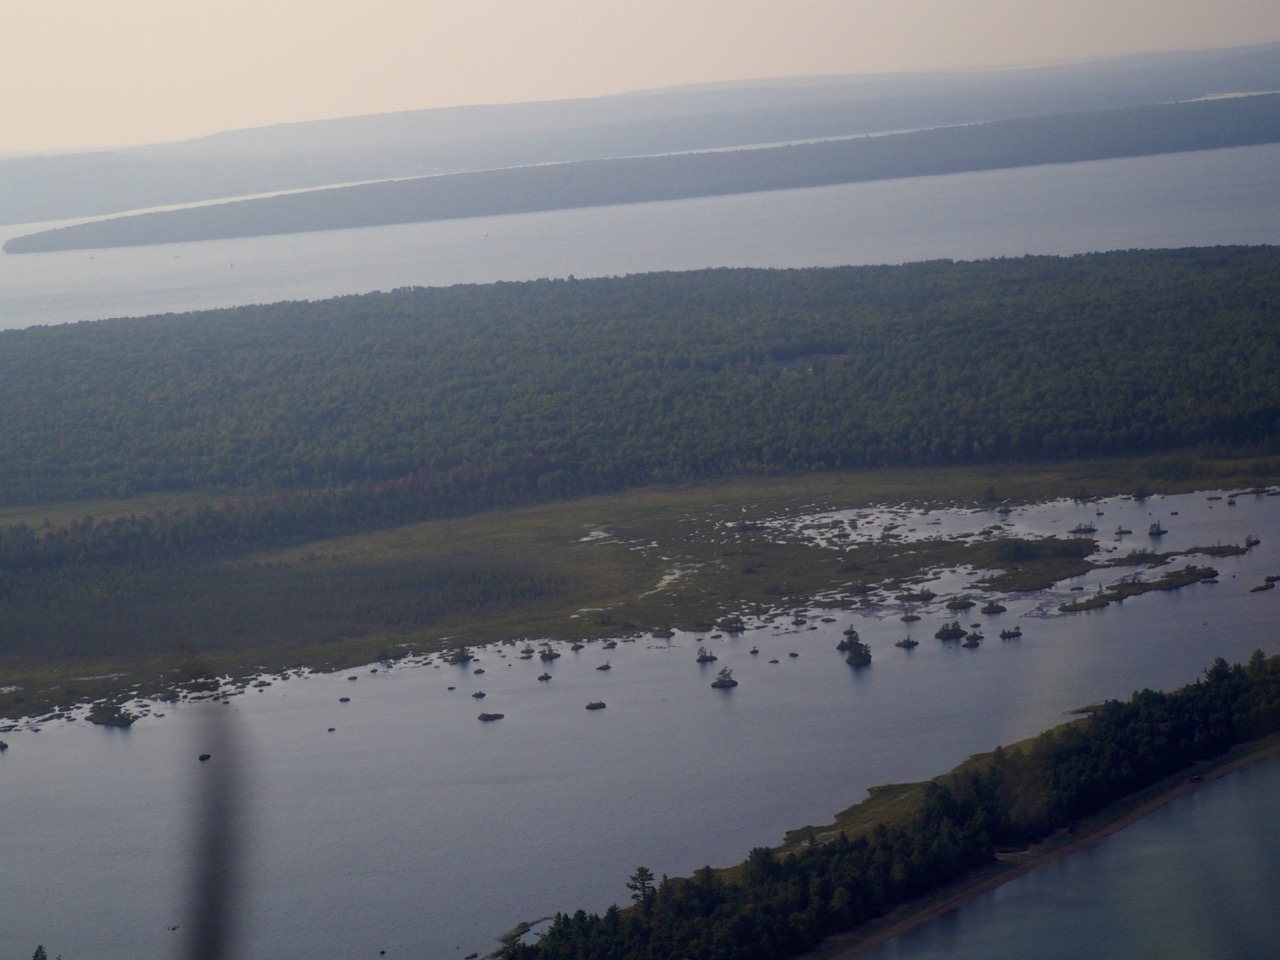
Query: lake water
x=1203 y=198
x=414 y=828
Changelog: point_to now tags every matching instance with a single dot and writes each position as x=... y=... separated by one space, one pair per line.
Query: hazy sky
x=79 y=73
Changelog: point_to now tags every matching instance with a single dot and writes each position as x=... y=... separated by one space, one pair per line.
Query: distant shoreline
x=1108 y=134
x=1059 y=845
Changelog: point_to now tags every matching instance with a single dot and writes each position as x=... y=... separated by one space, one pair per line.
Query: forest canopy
x=474 y=396
x=520 y=391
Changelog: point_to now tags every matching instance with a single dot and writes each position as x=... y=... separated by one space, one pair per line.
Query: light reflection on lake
x=1196 y=879
x=416 y=829
x=1201 y=198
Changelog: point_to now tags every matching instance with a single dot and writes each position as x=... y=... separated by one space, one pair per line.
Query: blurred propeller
x=217 y=841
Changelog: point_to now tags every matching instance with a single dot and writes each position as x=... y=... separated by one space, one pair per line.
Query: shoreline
x=40 y=682
x=1054 y=848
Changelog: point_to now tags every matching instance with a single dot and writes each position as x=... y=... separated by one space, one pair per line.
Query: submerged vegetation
x=781 y=903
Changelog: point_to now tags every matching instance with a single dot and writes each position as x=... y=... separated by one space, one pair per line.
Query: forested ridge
x=1057 y=138
x=780 y=905
x=448 y=400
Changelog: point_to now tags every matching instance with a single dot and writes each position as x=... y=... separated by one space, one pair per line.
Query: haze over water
x=1202 y=198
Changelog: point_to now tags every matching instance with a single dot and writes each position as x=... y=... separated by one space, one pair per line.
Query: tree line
x=776 y=905
x=429 y=401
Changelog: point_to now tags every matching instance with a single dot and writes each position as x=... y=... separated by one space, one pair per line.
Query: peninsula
x=884 y=867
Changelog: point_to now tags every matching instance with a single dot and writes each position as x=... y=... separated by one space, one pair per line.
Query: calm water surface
x=1202 y=198
x=416 y=829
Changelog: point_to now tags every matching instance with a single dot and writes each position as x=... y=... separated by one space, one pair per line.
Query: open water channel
x=415 y=829
x=1202 y=198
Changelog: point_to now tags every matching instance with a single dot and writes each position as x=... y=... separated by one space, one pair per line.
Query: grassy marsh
x=659 y=557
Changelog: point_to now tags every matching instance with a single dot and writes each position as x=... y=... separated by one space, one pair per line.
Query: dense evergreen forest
x=780 y=905
x=1060 y=138
x=425 y=402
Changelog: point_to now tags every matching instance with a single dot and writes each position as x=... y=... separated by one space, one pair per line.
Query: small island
x=107 y=714
x=1132 y=587
x=859 y=654
x=850 y=640
x=724 y=679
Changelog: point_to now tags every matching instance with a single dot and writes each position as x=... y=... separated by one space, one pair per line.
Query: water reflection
x=1200 y=198
x=1196 y=879
x=395 y=820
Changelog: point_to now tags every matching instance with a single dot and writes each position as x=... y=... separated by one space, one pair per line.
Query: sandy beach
x=1061 y=844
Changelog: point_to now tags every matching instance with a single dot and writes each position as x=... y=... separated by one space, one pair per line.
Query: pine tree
x=641 y=886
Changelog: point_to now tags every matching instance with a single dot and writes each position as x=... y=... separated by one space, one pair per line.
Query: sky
x=80 y=74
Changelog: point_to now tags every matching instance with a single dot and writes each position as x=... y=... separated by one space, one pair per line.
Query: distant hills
x=420 y=143
x=1132 y=131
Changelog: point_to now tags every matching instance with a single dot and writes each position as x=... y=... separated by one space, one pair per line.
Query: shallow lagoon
x=415 y=829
